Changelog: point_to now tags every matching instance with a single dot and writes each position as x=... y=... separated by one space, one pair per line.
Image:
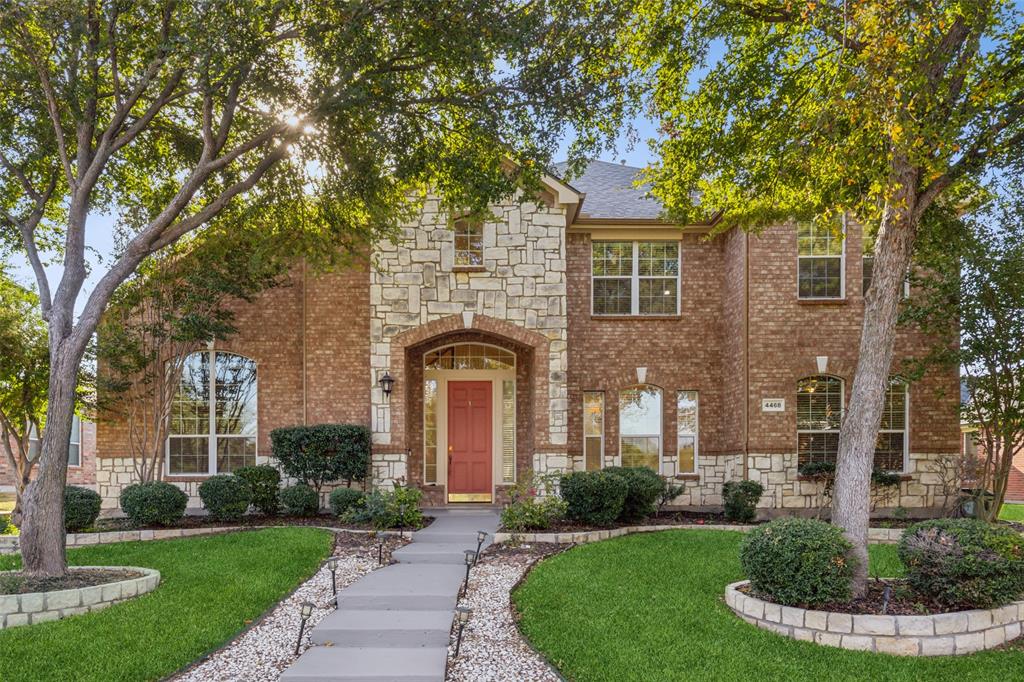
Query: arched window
x=213 y=422
x=640 y=426
x=819 y=410
x=891 y=447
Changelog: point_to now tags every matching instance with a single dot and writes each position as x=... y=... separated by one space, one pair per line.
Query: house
x=81 y=458
x=574 y=333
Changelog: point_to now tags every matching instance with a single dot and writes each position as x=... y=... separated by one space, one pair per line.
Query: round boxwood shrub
x=81 y=507
x=593 y=497
x=343 y=499
x=156 y=502
x=964 y=563
x=264 y=482
x=225 y=496
x=740 y=499
x=300 y=500
x=643 y=488
x=797 y=562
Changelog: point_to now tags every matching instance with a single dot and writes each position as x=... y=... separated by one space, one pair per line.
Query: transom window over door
x=635 y=278
x=819 y=410
x=213 y=416
x=821 y=259
x=640 y=427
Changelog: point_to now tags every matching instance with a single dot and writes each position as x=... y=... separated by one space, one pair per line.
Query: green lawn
x=210 y=587
x=1012 y=512
x=651 y=607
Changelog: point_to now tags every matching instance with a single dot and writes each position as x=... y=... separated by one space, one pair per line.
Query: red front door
x=469 y=440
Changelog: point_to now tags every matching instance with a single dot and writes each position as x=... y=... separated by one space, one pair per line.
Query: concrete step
x=446 y=537
x=433 y=553
x=414 y=587
x=368 y=664
x=385 y=629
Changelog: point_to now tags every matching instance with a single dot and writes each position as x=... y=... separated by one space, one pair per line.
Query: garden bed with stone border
x=39 y=607
x=941 y=634
x=880 y=536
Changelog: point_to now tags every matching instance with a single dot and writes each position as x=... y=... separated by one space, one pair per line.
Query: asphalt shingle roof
x=610 y=192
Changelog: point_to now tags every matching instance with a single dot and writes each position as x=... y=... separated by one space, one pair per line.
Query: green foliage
x=5 y=524
x=741 y=498
x=593 y=497
x=885 y=479
x=533 y=504
x=820 y=471
x=342 y=499
x=797 y=562
x=300 y=500
x=323 y=453
x=964 y=563
x=226 y=496
x=643 y=489
x=397 y=508
x=81 y=508
x=264 y=482
x=157 y=502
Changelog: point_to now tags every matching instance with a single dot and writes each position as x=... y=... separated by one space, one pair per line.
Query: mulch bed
x=902 y=601
x=249 y=520
x=17 y=583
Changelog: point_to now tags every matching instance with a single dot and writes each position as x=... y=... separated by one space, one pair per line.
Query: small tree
x=178 y=301
x=974 y=282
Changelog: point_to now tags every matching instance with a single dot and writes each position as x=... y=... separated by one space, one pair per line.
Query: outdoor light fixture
x=470 y=560
x=305 y=611
x=380 y=552
x=462 y=613
x=332 y=566
x=386 y=383
x=481 y=535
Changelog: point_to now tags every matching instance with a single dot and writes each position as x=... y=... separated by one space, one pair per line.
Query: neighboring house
x=575 y=334
x=973 y=449
x=81 y=458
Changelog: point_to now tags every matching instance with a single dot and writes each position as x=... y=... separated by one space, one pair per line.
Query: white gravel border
x=492 y=648
x=264 y=651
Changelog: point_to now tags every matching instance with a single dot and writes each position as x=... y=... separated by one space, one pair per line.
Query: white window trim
x=863 y=292
x=78 y=442
x=695 y=433
x=906 y=427
x=635 y=277
x=212 y=435
x=600 y=435
x=842 y=271
x=842 y=408
x=661 y=421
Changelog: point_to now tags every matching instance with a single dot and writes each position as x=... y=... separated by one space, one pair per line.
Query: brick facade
x=323 y=342
x=83 y=475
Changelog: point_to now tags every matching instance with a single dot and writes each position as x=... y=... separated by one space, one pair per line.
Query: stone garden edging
x=39 y=607
x=881 y=536
x=941 y=634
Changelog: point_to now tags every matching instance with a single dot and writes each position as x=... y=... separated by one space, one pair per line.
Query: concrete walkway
x=394 y=623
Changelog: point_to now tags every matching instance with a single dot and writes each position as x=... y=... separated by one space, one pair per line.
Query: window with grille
x=635 y=278
x=686 y=431
x=891 y=446
x=819 y=410
x=430 y=431
x=469 y=242
x=640 y=427
x=593 y=430
x=821 y=256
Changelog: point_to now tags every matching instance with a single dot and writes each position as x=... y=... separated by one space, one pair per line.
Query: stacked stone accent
x=389 y=469
x=942 y=634
x=39 y=607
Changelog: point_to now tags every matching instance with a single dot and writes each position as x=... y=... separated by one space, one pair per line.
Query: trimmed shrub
x=81 y=507
x=5 y=525
x=593 y=497
x=225 y=496
x=398 y=508
x=342 y=499
x=264 y=482
x=797 y=562
x=741 y=498
x=964 y=563
x=300 y=500
x=319 y=454
x=643 y=488
x=156 y=502
x=533 y=513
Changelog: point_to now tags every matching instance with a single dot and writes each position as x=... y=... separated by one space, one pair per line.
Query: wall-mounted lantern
x=387 y=382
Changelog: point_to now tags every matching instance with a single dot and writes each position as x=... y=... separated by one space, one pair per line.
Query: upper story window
x=593 y=430
x=74 y=444
x=868 y=268
x=819 y=410
x=635 y=278
x=821 y=260
x=469 y=242
x=212 y=426
x=640 y=427
x=687 y=418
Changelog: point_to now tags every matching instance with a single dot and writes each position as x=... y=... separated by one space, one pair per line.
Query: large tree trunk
x=851 y=496
x=42 y=531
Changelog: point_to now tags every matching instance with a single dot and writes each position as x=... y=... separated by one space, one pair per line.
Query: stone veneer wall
x=522 y=282
x=941 y=634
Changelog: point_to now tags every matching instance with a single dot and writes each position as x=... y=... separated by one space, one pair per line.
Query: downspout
x=304 y=419
x=746 y=354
